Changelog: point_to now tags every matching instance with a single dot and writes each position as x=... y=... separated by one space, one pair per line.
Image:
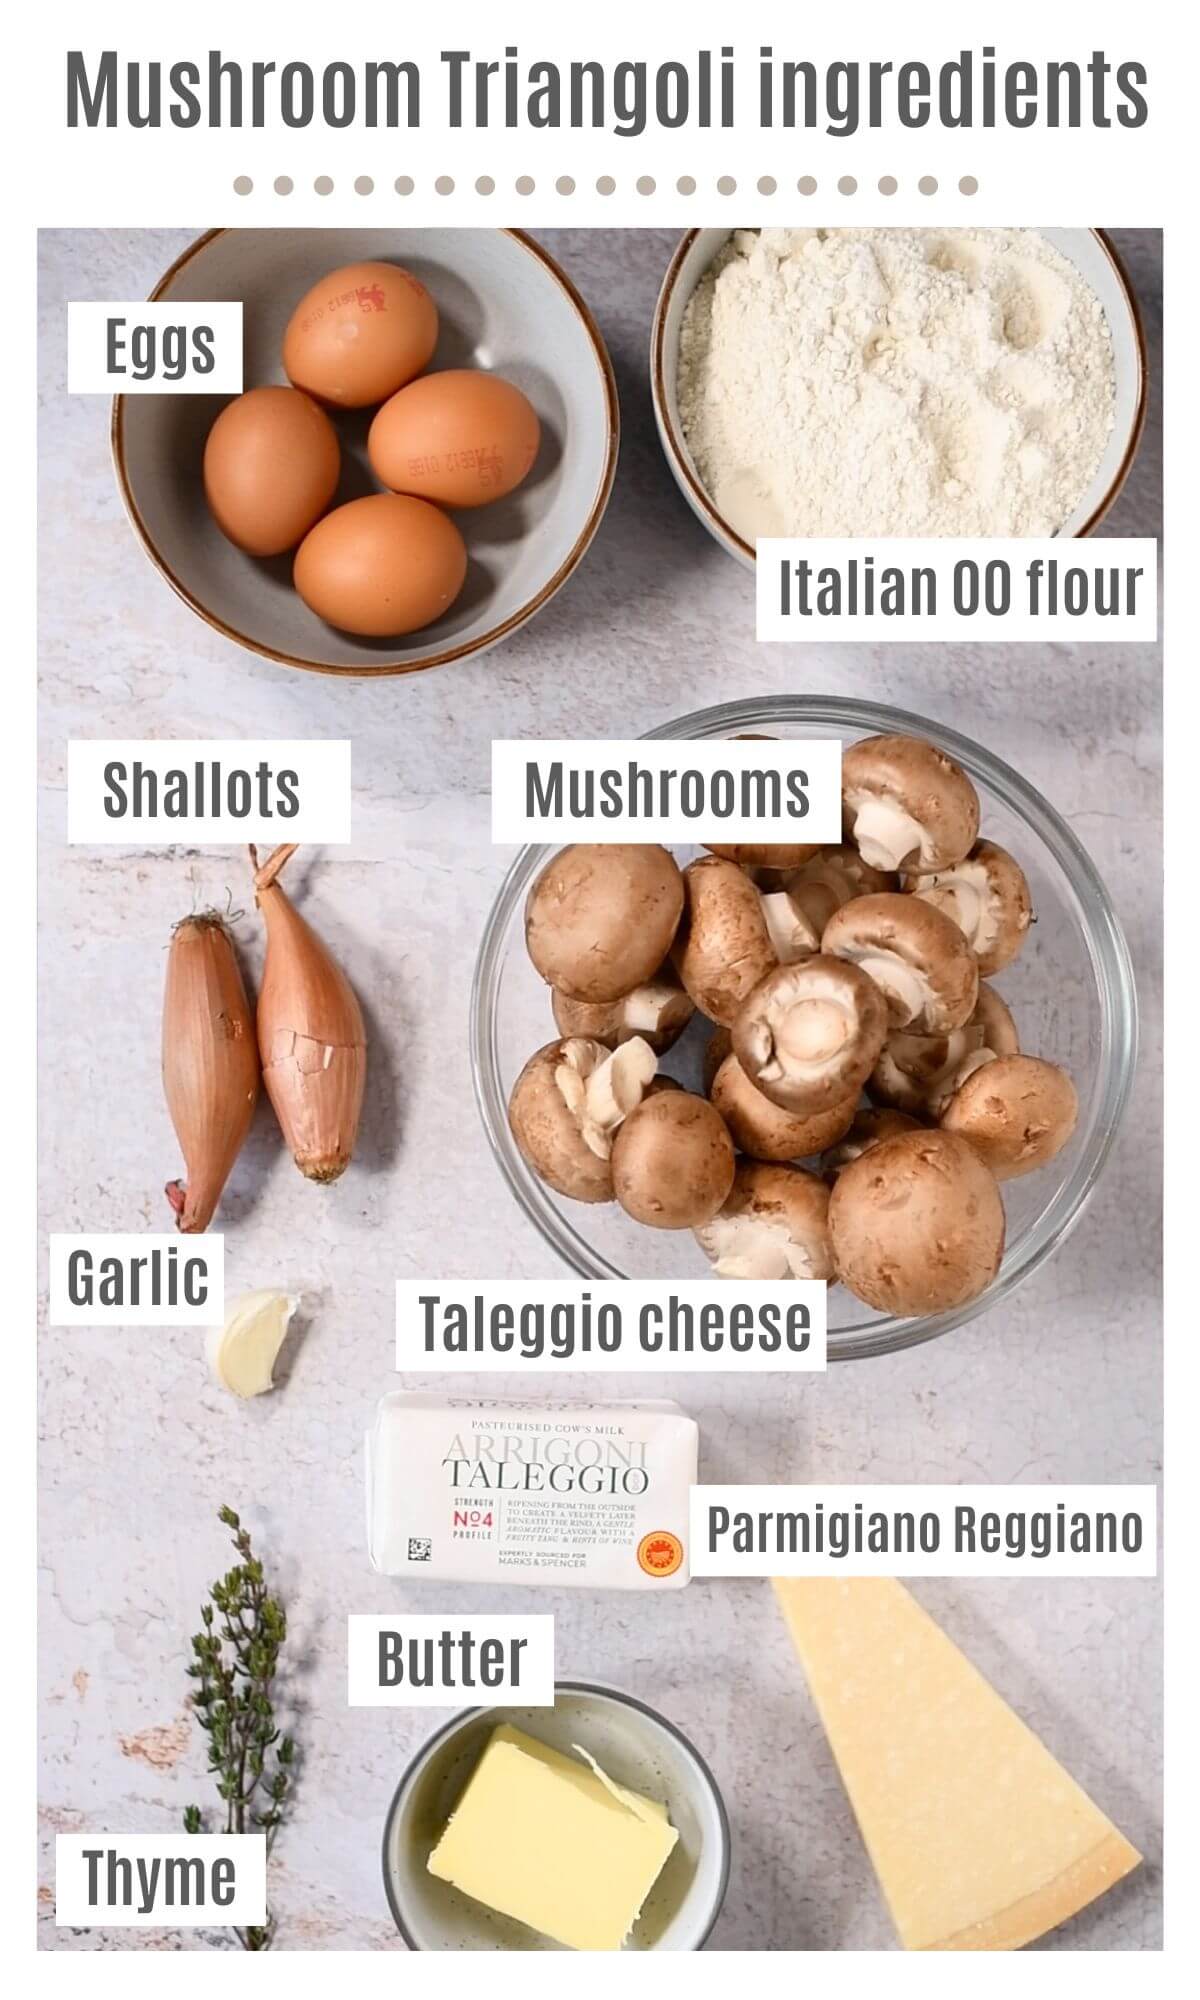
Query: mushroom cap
x=917 y=1224
x=764 y=853
x=600 y=919
x=672 y=1161
x=760 y=854
x=549 y=1137
x=994 y=1016
x=1016 y=1114
x=658 y=1011
x=808 y=1035
x=917 y=956
x=722 y=947
x=907 y=804
x=866 y=1130
x=987 y=896
x=765 y=1130
x=774 y=1224
x=718 y=1046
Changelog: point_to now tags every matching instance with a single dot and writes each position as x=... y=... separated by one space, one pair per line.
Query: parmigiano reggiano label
x=981 y=1841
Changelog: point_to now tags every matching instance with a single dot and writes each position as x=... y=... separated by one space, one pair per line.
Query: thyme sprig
x=235 y=1660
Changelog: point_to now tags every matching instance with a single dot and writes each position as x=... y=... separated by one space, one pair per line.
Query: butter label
x=478 y=1490
x=418 y=1660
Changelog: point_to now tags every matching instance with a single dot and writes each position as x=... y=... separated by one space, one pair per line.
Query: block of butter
x=553 y=1842
x=474 y=1490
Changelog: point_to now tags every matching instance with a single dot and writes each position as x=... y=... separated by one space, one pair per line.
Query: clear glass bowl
x=1071 y=991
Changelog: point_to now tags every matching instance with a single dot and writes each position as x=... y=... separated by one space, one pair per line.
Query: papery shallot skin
x=210 y=1065
x=311 y=1038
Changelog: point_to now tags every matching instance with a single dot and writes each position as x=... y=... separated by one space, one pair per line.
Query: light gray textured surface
x=139 y=1447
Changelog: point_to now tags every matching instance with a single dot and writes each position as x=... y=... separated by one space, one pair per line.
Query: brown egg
x=381 y=566
x=461 y=438
x=360 y=334
x=271 y=467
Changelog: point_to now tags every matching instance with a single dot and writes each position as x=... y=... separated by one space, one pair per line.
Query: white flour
x=895 y=382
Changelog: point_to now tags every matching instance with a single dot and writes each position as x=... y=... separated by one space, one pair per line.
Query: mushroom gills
x=907 y=991
x=754 y=1246
x=600 y=1089
x=792 y=933
x=884 y=833
x=965 y=894
x=803 y=1036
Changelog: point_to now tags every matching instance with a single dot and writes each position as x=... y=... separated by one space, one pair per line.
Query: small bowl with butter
x=593 y=1825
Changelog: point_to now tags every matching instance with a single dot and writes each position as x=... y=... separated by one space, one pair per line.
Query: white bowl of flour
x=897 y=381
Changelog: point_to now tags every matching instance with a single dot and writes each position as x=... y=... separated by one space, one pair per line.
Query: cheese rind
x=554 y=1843
x=980 y=1839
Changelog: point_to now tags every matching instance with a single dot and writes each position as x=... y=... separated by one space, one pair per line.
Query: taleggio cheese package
x=474 y=1490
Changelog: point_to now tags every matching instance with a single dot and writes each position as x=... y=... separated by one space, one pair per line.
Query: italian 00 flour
x=895 y=382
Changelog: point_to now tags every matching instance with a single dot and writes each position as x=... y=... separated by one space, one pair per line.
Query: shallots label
x=778 y=791
x=139 y=1280
x=159 y=793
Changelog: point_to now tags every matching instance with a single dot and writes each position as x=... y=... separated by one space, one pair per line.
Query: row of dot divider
x=645 y=185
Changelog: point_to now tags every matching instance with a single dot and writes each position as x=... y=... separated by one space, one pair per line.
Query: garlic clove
x=243 y=1352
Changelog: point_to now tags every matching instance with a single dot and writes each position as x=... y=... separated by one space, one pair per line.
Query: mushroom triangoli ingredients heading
x=865 y=1092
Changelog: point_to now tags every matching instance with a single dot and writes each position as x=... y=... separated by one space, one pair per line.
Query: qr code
x=420 y=1549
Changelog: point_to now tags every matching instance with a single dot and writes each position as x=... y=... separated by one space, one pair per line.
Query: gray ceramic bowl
x=505 y=305
x=1092 y=254
x=635 y=1746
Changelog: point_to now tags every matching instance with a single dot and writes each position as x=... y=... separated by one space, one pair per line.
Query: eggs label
x=141 y=349
x=648 y=1326
x=159 y=793
x=730 y=789
x=924 y=1530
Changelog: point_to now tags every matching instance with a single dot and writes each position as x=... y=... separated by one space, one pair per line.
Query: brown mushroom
x=907 y=804
x=809 y=1034
x=658 y=1011
x=774 y=1224
x=916 y=1072
x=918 y=958
x=672 y=1161
x=987 y=896
x=866 y=1130
x=718 y=1046
x=777 y=854
x=565 y=1106
x=917 y=1224
x=765 y=1130
x=761 y=854
x=723 y=946
x=834 y=876
x=994 y=1016
x=600 y=919
x=1016 y=1113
